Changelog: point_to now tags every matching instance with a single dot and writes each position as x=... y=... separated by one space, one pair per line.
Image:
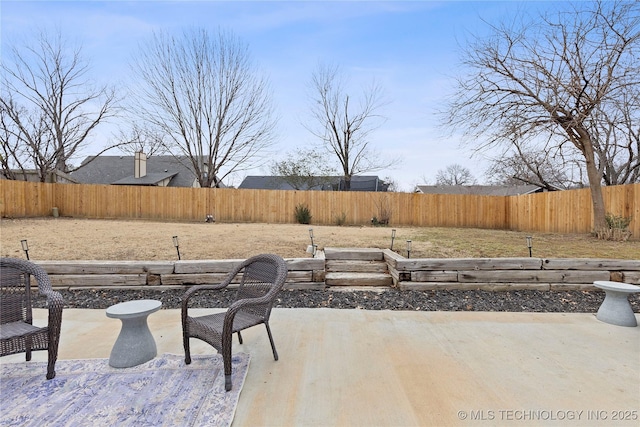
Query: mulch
x=391 y=299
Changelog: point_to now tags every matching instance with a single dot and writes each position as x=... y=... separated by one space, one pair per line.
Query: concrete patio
x=399 y=368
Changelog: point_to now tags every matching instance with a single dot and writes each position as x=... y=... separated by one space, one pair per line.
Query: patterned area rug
x=161 y=392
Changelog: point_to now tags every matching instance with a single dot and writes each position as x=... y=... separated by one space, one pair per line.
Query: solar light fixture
x=25 y=247
x=408 y=248
x=312 y=249
x=177 y=245
x=393 y=237
x=529 y=244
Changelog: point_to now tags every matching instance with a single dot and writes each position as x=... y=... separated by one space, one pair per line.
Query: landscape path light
x=393 y=237
x=312 y=249
x=408 y=248
x=25 y=247
x=175 y=243
x=529 y=244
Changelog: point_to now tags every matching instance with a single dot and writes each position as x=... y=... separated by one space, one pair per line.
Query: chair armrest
x=54 y=299
x=249 y=302
x=192 y=290
x=55 y=302
x=236 y=306
x=195 y=289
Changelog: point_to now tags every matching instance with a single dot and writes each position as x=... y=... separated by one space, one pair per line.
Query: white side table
x=135 y=344
x=615 y=308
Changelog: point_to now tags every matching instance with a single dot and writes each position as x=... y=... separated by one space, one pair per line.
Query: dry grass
x=82 y=239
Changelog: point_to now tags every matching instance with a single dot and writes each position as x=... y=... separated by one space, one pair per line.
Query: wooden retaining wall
x=352 y=267
x=306 y=273
x=508 y=273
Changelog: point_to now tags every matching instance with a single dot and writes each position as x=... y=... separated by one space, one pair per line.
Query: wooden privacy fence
x=561 y=211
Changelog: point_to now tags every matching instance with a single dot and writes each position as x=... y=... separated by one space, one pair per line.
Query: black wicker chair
x=263 y=277
x=17 y=333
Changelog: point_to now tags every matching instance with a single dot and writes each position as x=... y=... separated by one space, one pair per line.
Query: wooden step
x=344 y=266
x=358 y=279
x=362 y=254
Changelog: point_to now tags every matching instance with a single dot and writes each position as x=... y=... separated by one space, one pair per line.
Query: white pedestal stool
x=615 y=308
x=135 y=344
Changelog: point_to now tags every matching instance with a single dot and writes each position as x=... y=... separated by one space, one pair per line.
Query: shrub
x=379 y=222
x=384 y=211
x=617 y=222
x=340 y=219
x=617 y=228
x=302 y=214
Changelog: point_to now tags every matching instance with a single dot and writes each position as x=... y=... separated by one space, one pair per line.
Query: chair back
x=263 y=276
x=15 y=291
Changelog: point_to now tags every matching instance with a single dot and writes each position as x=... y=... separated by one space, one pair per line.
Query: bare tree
x=142 y=139
x=616 y=137
x=344 y=126
x=541 y=83
x=455 y=174
x=204 y=93
x=304 y=169
x=393 y=186
x=13 y=156
x=616 y=133
x=616 y=144
x=548 y=170
x=49 y=105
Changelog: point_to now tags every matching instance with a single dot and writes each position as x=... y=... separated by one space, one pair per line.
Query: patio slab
x=401 y=368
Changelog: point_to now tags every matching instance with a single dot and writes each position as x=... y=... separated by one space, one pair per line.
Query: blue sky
x=410 y=48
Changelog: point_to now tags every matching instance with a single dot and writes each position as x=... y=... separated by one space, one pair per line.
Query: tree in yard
x=616 y=137
x=616 y=133
x=13 y=152
x=342 y=125
x=204 y=93
x=49 y=107
x=304 y=169
x=142 y=139
x=455 y=175
x=548 y=170
x=392 y=184
x=543 y=83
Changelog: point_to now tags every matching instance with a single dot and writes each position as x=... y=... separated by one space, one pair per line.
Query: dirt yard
x=82 y=239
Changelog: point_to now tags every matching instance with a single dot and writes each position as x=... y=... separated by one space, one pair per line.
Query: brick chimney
x=140 y=165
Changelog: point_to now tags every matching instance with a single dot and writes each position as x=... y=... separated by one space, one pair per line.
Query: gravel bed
x=391 y=299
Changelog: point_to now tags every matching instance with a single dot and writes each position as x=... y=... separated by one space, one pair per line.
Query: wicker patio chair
x=262 y=278
x=17 y=333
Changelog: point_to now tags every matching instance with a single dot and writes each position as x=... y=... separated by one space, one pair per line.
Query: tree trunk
x=595 y=184
x=347 y=183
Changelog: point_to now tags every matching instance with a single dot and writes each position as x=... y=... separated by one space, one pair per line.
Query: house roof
x=120 y=170
x=479 y=190
x=33 y=175
x=256 y=182
x=358 y=183
x=148 y=179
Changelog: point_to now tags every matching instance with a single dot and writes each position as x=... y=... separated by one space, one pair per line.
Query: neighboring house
x=358 y=183
x=480 y=190
x=161 y=171
x=32 y=175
